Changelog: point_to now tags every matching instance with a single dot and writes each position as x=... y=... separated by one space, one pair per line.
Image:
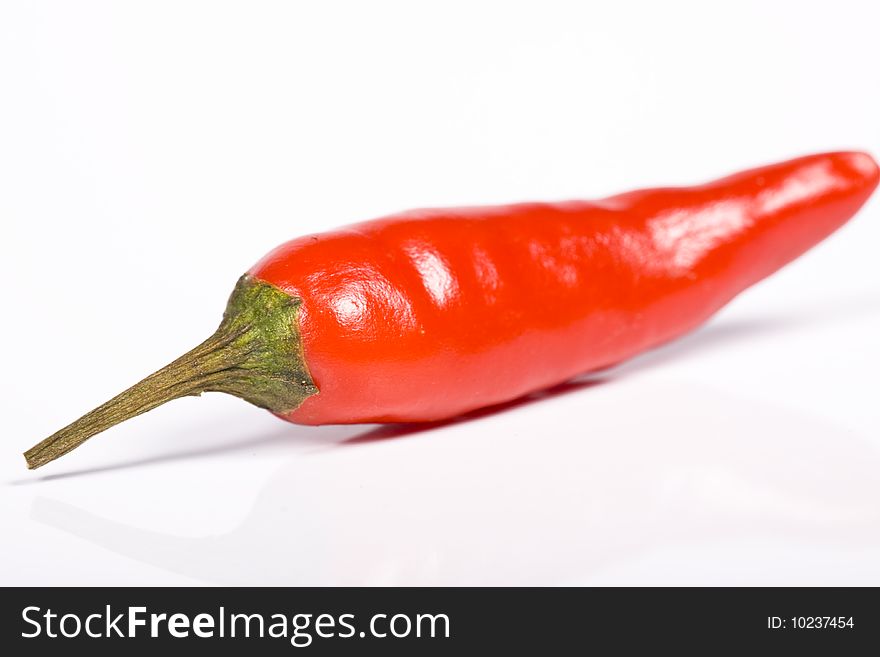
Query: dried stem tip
x=255 y=354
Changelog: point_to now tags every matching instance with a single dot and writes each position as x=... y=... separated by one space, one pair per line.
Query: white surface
x=150 y=152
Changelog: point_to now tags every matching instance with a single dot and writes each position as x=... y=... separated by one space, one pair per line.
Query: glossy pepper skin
x=428 y=314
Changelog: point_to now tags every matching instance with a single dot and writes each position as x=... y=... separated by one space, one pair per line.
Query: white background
x=150 y=152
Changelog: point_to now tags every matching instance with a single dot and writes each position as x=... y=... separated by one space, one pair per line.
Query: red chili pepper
x=429 y=314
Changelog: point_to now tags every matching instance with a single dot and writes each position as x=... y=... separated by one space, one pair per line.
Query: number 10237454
x=810 y=623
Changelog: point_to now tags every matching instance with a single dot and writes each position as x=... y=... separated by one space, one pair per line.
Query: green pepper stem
x=255 y=354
